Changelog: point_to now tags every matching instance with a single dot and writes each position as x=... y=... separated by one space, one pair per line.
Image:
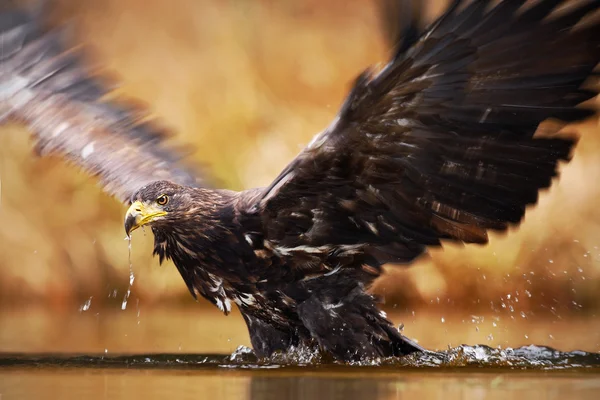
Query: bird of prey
x=437 y=145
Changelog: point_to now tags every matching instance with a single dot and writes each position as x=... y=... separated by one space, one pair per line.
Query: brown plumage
x=437 y=145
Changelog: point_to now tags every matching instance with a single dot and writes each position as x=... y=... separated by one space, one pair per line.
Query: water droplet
x=528 y=293
x=476 y=319
x=443 y=320
x=526 y=336
x=494 y=324
x=551 y=337
x=508 y=296
x=86 y=306
x=476 y=328
x=490 y=337
x=131 y=279
x=551 y=261
x=523 y=314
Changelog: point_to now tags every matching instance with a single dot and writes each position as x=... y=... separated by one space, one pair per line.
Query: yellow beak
x=140 y=214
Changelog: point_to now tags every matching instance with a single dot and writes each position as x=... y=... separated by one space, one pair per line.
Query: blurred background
x=248 y=84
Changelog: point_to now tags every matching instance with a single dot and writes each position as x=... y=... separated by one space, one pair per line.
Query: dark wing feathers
x=440 y=144
x=43 y=83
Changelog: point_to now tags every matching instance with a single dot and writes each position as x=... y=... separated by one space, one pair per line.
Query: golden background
x=248 y=83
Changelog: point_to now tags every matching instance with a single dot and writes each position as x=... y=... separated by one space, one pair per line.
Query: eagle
x=439 y=144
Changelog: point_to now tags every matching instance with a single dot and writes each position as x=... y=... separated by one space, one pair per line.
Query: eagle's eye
x=162 y=200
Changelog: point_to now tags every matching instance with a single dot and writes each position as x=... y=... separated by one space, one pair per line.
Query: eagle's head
x=159 y=203
x=171 y=208
x=185 y=220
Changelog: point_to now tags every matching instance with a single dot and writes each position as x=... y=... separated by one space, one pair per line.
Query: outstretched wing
x=440 y=144
x=43 y=84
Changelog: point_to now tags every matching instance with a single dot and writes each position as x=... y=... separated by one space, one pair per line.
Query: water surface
x=310 y=383
x=191 y=353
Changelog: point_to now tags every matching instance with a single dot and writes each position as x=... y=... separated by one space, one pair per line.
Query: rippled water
x=480 y=356
x=471 y=372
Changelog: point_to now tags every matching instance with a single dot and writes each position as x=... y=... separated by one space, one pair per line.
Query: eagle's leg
x=267 y=339
x=350 y=326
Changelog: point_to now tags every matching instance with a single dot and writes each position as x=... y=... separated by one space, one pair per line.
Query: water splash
x=86 y=306
x=478 y=356
x=131 y=278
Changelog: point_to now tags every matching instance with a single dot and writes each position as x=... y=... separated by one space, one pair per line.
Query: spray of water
x=131 y=278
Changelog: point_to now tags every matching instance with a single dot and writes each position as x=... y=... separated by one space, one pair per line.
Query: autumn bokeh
x=248 y=84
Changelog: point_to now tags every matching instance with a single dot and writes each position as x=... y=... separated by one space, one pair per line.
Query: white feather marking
x=216 y=286
x=87 y=150
x=246 y=299
x=372 y=227
x=330 y=306
x=16 y=92
x=286 y=251
x=403 y=122
x=249 y=240
x=333 y=271
x=216 y=283
x=384 y=223
x=383 y=314
x=60 y=128
x=306 y=249
x=223 y=306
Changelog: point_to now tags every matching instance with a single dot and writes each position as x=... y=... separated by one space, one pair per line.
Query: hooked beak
x=140 y=214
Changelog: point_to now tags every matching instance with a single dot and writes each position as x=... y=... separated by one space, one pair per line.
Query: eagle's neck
x=203 y=244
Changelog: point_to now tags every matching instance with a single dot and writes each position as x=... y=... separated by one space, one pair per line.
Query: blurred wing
x=401 y=21
x=440 y=143
x=46 y=87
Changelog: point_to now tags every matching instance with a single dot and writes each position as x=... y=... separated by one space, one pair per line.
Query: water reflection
x=200 y=330
x=93 y=384
x=436 y=386
x=324 y=387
